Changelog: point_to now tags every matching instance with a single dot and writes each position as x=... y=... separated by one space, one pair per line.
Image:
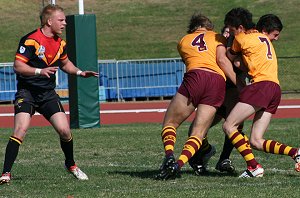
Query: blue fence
x=141 y=78
x=118 y=80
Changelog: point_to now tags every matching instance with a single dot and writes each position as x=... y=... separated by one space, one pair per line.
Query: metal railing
x=119 y=79
x=142 y=78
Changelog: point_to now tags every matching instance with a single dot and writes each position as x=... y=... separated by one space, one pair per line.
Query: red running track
x=137 y=112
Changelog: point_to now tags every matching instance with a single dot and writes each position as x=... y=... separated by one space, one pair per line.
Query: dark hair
x=223 y=29
x=198 y=20
x=47 y=12
x=239 y=16
x=269 y=23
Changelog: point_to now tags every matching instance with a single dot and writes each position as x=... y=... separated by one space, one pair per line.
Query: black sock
x=67 y=147
x=227 y=148
x=12 y=150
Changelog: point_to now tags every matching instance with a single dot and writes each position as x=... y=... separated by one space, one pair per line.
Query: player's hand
x=48 y=71
x=87 y=74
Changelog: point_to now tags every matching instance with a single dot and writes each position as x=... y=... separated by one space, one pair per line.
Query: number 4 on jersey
x=200 y=43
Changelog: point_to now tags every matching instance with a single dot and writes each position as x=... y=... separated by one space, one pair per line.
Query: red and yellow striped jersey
x=198 y=50
x=39 y=51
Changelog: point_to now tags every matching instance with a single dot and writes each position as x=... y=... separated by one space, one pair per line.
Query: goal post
x=82 y=51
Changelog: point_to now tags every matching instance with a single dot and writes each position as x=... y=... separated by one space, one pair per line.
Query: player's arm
x=231 y=54
x=226 y=66
x=68 y=67
x=239 y=63
x=24 y=69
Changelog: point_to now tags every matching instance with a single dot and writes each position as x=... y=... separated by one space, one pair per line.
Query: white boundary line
x=144 y=111
x=289 y=107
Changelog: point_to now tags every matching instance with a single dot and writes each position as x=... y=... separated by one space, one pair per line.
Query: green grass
x=121 y=161
x=144 y=29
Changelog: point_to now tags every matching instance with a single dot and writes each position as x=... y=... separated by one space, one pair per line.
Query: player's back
x=258 y=55
x=198 y=50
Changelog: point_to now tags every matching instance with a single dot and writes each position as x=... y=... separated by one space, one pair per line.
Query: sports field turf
x=121 y=161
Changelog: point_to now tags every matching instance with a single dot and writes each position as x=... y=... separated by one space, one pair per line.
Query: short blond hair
x=47 y=13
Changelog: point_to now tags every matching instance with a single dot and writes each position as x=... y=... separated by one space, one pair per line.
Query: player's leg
x=204 y=90
x=260 y=124
x=239 y=141
x=53 y=111
x=203 y=120
x=199 y=160
x=179 y=110
x=224 y=164
x=23 y=112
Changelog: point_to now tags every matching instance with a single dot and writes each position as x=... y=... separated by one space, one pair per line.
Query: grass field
x=121 y=161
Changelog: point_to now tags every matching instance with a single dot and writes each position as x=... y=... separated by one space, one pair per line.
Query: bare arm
x=25 y=70
x=231 y=56
x=226 y=66
x=70 y=68
x=238 y=62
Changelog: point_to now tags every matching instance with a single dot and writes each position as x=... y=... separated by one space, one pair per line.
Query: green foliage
x=121 y=161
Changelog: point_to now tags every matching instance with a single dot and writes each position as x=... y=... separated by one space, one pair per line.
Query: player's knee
x=255 y=143
x=20 y=132
x=64 y=132
x=226 y=128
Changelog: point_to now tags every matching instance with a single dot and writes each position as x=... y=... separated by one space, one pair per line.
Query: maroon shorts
x=264 y=94
x=203 y=87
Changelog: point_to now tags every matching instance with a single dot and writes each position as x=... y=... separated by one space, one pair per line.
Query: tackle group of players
x=214 y=85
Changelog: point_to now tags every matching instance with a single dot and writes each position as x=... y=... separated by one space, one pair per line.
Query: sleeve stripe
x=63 y=57
x=21 y=58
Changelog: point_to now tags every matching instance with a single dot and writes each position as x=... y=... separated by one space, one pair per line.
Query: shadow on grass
x=150 y=174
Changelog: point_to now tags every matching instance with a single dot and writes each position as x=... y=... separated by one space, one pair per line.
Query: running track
x=137 y=112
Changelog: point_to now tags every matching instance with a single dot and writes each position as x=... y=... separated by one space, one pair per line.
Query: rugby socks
x=241 y=143
x=271 y=146
x=12 y=150
x=168 y=136
x=205 y=148
x=190 y=147
x=227 y=146
x=67 y=147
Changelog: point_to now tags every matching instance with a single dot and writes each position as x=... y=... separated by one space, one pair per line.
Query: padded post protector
x=82 y=51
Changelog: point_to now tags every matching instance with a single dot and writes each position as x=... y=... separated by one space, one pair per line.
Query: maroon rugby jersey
x=40 y=51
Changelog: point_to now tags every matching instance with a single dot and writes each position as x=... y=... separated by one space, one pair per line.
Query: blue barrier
x=7 y=84
x=136 y=79
x=117 y=79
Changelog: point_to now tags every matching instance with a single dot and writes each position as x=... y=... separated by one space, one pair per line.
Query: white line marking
x=144 y=111
x=289 y=107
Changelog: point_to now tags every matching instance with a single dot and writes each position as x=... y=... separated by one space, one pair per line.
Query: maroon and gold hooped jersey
x=40 y=51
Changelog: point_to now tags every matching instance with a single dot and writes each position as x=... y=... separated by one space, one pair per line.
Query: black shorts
x=45 y=102
x=231 y=98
